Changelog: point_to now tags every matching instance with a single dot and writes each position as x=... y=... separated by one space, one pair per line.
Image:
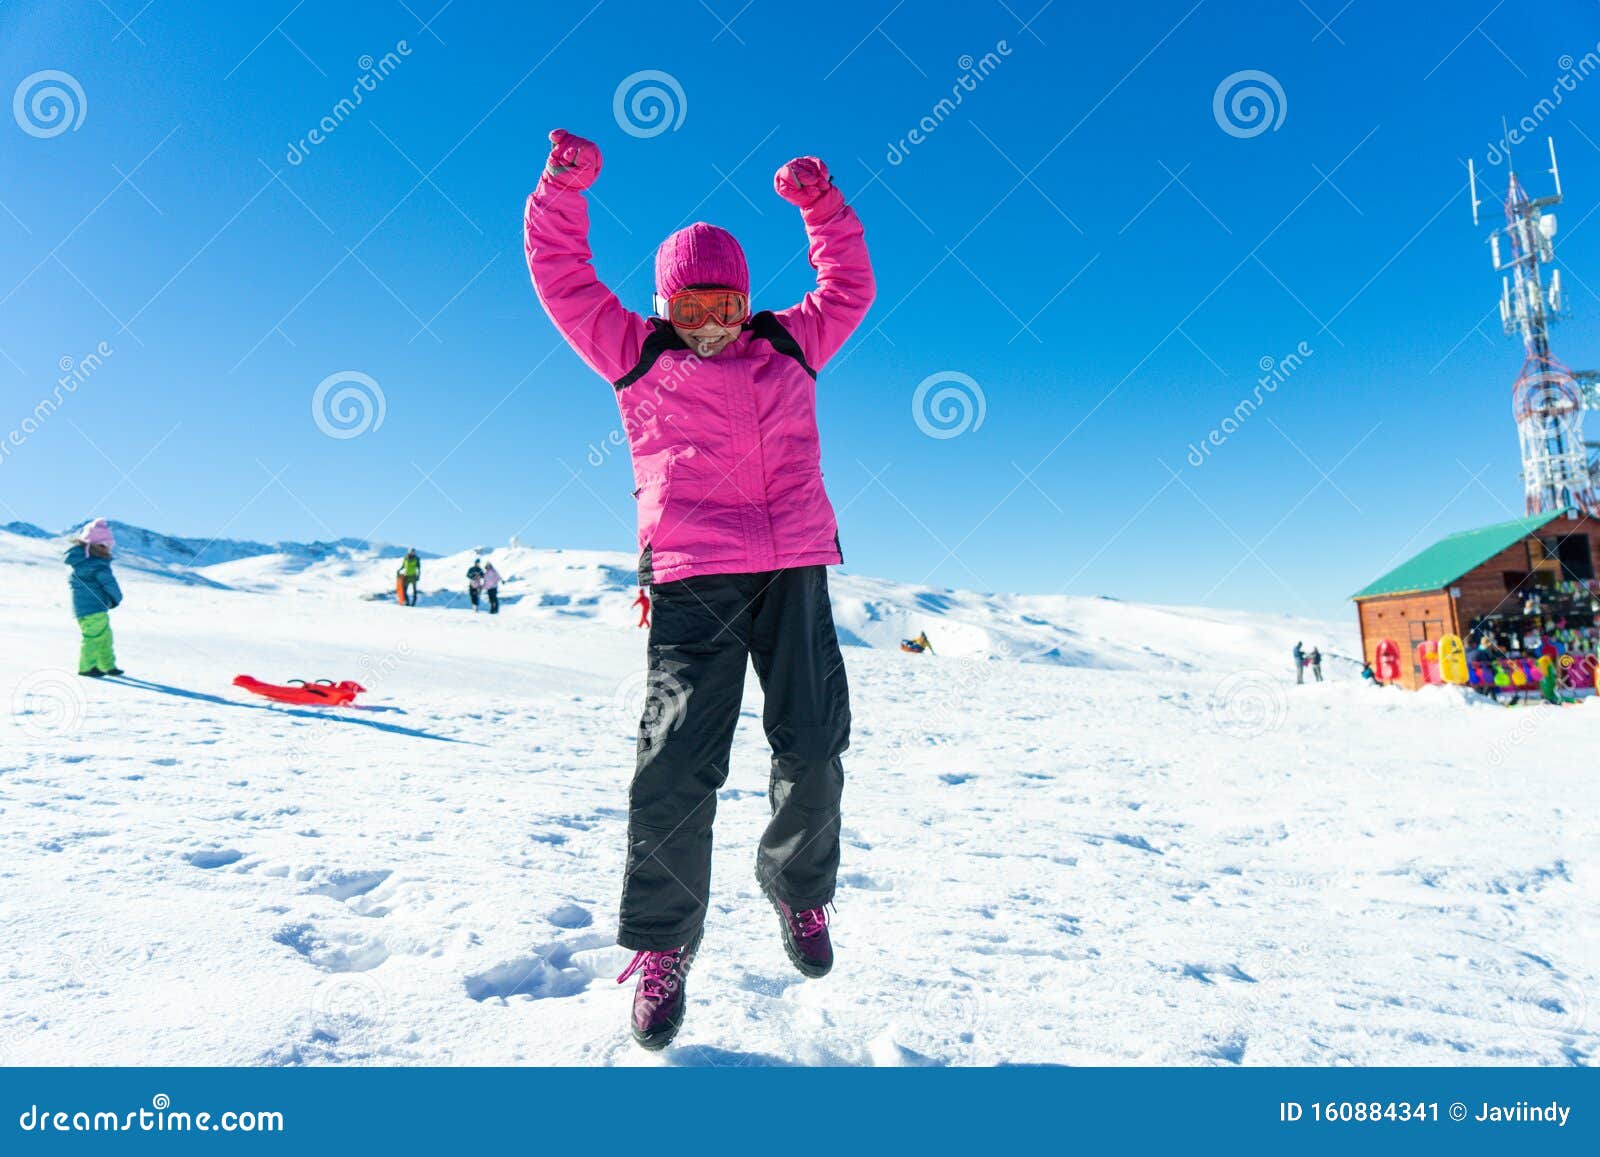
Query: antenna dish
x=1547 y=225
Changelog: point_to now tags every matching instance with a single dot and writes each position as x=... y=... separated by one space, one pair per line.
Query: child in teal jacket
x=94 y=594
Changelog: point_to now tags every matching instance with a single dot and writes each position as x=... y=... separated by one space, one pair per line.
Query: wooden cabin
x=1504 y=589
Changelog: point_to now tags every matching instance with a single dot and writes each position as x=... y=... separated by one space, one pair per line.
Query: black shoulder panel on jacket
x=662 y=338
x=766 y=326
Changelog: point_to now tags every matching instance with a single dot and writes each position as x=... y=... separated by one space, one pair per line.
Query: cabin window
x=1572 y=551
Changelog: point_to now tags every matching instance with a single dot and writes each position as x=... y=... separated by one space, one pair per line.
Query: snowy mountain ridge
x=177 y=550
x=553 y=583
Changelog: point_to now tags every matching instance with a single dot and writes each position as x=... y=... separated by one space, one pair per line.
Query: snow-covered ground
x=1085 y=831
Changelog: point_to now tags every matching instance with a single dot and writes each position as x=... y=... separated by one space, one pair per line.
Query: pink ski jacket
x=726 y=456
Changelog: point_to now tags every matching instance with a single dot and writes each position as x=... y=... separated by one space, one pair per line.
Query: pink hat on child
x=700 y=254
x=97 y=532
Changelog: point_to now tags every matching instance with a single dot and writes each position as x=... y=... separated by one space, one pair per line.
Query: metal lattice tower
x=1548 y=399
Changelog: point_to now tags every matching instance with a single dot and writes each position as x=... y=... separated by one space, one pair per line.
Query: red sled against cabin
x=323 y=693
x=1387 y=655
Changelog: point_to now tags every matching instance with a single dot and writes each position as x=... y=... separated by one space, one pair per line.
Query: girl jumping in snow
x=95 y=594
x=735 y=533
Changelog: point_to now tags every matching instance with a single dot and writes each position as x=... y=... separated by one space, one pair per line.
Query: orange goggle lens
x=692 y=308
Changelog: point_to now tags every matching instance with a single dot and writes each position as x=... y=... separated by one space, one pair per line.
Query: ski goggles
x=692 y=308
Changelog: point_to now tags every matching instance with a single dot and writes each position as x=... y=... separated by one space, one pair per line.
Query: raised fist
x=574 y=162
x=802 y=181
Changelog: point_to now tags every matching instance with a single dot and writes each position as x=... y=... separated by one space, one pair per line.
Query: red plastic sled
x=322 y=693
x=1387 y=665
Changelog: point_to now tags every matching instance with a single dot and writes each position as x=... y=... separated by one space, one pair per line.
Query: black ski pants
x=703 y=631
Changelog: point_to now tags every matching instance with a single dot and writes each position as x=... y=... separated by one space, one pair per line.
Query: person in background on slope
x=95 y=594
x=1299 y=664
x=474 y=582
x=491 y=587
x=1316 y=663
x=735 y=535
x=643 y=603
x=411 y=571
x=918 y=645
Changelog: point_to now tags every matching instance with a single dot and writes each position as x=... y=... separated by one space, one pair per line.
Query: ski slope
x=1084 y=832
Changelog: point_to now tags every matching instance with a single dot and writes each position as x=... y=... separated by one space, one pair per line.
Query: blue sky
x=1081 y=237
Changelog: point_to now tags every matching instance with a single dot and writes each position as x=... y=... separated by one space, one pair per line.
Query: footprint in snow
x=343 y=885
x=866 y=883
x=214 y=857
x=571 y=916
x=334 y=951
x=552 y=970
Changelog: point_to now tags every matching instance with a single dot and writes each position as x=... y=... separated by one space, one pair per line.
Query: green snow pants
x=96 y=653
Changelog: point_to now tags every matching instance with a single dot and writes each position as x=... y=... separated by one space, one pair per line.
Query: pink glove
x=574 y=162
x=803 y=181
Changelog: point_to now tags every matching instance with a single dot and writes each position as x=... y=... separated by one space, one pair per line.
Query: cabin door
x=1421 y=631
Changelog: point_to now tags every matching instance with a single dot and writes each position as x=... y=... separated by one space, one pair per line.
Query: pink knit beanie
x=97 y=532
x=700 y=254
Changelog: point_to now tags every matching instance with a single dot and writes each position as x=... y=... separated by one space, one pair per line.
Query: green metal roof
x=1450 y=558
